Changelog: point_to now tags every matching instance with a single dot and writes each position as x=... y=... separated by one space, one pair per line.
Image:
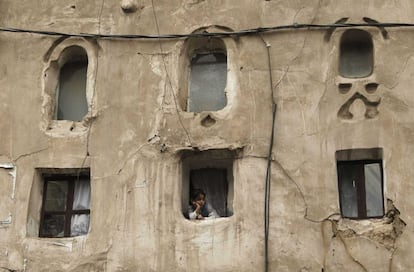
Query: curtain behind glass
x=81 y=201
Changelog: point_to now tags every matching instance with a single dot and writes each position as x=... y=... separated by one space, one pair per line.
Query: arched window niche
x=356 y=58
x=69 y=79
x=70 y=98
x=207 y=81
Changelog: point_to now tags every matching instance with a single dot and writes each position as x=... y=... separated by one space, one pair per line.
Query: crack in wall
x=378 y=232
x=339 y=235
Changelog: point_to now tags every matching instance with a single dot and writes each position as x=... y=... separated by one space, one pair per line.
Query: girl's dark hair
x=197 y=192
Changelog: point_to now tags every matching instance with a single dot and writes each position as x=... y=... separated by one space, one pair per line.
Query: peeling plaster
x=7 y=221
x=12 y=173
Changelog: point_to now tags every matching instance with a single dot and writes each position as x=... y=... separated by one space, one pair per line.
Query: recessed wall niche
x=68 y=85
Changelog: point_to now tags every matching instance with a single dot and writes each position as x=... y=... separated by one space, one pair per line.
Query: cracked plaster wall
x=136 y=221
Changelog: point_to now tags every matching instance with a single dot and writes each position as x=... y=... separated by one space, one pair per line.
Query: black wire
x=244 y=32
x=269 y=161
x=168 y=77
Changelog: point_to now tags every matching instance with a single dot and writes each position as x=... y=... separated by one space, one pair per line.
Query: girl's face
x=200 y=200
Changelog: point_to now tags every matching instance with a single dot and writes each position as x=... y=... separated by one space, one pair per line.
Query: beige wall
x=136 y=220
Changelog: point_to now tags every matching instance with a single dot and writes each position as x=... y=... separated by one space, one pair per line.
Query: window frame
x=69 y=212
x=361 y=187
x=224 y=159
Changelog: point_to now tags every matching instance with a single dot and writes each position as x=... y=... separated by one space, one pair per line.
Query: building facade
x=295 y=117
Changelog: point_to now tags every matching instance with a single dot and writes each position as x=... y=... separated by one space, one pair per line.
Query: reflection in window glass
x=373 y=189
x=53 y=226
x=66 y=205
x=356 y=54
x=71 y=91
x=361 y=188
x=207 y=82
x=348 y=191
x=56 y=196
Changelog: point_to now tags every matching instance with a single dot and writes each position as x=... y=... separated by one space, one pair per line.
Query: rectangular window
x=208 y=175
x=360 y=185
x=66 y=205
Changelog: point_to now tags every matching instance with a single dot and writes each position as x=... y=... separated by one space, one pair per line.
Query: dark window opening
x=213 y=181
x=360 y=184
x=66 y=204
x=356 y=54
x=208 y=79
x=210 y=171
x=71 y=89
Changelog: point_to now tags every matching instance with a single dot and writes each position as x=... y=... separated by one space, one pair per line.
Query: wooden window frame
x=360 y=187
x=70 y=179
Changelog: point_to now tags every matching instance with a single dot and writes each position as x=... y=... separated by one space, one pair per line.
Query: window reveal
x=66 y=205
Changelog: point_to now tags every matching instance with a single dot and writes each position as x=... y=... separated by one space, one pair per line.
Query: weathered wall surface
x=136 y=220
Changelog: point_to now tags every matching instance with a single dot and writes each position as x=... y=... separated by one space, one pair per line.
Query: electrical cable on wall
x=169 y=79
x=269 y=160
x=244 y=32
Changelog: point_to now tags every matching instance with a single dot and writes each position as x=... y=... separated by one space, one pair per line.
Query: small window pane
x=82 y=195
x=373 y=190
x=71 y=92
x=79 y=224
x=356 y=54
x=207 y=82
x=56 y=196
x=53 y=226
x=348 y=177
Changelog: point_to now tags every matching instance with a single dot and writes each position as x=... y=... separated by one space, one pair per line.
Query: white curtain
x=81 y=201
x=79 y=224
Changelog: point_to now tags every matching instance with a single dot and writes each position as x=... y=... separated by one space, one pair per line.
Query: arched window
x=356 y=54
x=208 y=76
x=71 y=102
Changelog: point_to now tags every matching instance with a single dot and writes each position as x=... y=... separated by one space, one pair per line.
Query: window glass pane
x=82 y=194
x=53 y=226
x=56 y=196
x=71 y=93
x=373 y=190
x=347 y=177
x=207 y=82
x=79 y=224
x=214 y=183
x=356 y=56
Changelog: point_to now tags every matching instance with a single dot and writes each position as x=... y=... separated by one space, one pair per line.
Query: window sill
x=65 y=128
x=64 y=243
x=344 y=80
x=380 y=230
x=207 y=222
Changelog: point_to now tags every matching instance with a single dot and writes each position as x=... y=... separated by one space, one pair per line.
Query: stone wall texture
x=137 y=131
